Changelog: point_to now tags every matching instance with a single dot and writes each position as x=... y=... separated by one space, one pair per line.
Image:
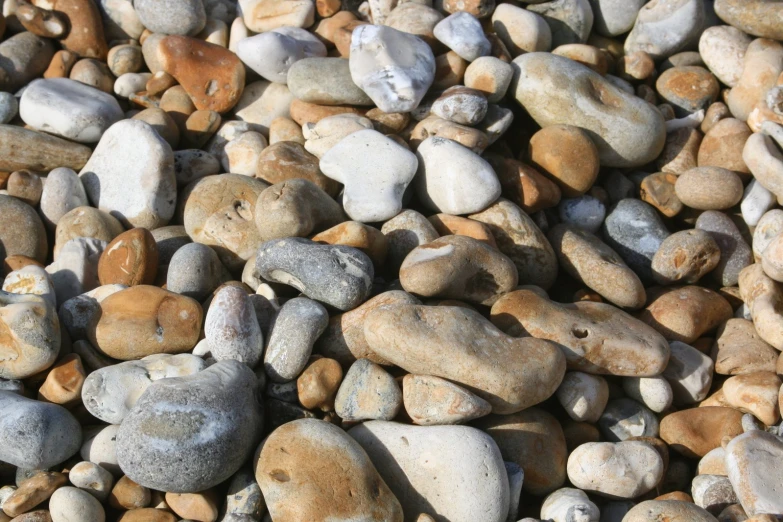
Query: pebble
x=654 y=392
x=756 y=201
x=735 y=253
x=622 y=469
x=672 y=509
x=28 y=236
x=337 y=275
x=462 y=33
x=294 y=330
x=397 y=450
x=126 y=494
x=750 y=464
x=585 y=212
x=62 y=193
x=38 y=151
x=25 y=57
x=689 y=373
x=583 y=396
x=461 y=105
x=329 y=131
x=763 y=62
x=214 y=412
x=35 y=489
x=723 y=48
x=664 y=28
x=318 y=383
x=92 y=478
x=489 y=75
x=270 y=54
x=403 y=233
x=685 y=257
x=432 y=401
x=755 y=18
x=69 y=504
x=755 y=393
x=697 y=431
x=709 y=188
x=31 y=279
x=309 y=469
x=368 y=392
x=687 y=88
x=612 y=17
x=686 y=313
x=9 y=107
x=99 y=447
x=32 y=332
x=325 y=81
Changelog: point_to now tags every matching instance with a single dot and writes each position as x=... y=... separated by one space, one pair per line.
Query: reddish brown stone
x=130 y=259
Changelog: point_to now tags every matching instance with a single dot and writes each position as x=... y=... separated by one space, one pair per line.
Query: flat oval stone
x=69 y=109
x=325 y=81
x=293 y=332
x=285 y=160
x=231 y=328
x=686 y=313
x=35 y=434
x=583 y=396
x=697 y=431
x=337 y=275
x=756 y=17
x=368 y=392
x=162 y=442
x=29 y=335
x=595 y=337
x=309 y=469
x=458 y=267
x=687 y=88
x=28 y=236
x=556 y=90
x=144 y=320
x=130 y=259
x=62 y=192
x=709 y=188
x=73 y=504
x=625 y=418
x=417 y=339
x=432 y=401
x=616 y=470
x=397 y=451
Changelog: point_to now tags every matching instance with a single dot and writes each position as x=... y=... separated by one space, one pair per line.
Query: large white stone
x=569 y=505
x=68 y=108
x=394 y=68
x=753 y=463
x=463 y=34
x=131 y=175
x=375 y=170
x=689 y=373
x=453 y=179
x=619 y=470
x=270 y=55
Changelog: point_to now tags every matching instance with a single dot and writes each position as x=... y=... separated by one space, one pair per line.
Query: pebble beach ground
x=391 y=261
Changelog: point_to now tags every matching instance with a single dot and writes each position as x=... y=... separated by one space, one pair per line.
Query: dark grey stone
x=195 y=271
x=187 y=434
x=735 y=253
x=634 y=230
x=168 y=240
x=368 y=392
x=626 y=418
x=340 y=276
x=298 y=324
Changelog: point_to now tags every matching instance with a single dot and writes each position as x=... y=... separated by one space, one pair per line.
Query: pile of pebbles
x=399 y=261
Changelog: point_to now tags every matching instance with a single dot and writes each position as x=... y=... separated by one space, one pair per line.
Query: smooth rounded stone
x=404 y=232
x=9 y=107
x=125 y=58
x=34 y=487
x=395 y=82
x=654 y=392
x=755 y=393
x=768 y=228
x=110 y=393
x=231 y=328
x=490 y=75
x=397 y=450
x=85 y=224
x=461 y=105
x=92 y=478
x=317 y=385
x=756 y=201
x=162 y=443
x=635 y=231
x=595 y=337
x=309 y=469
x=99 y=448
x=763 y=63
x=567 y=505
x=31 y=279
x=446 y=225
x=555 y=90
x=295 y=208
x=294 y=330
x=62 y=192
x=736 y=254
x=369 y=240
x=375 y=171
x=462 y=33
x=116 y=159
x=722 y=48
x=591 y=261
x=325 y=81
x=713 y=493
x=434 y=126
x=614 y=17
x=224 y=219
x=751 y=464
x=194 y=506
x=69 y=109
x=368 y=393
x=31 y=330
x=129 y=84
x=22 y=148
x=626 y=418
x=337 y=275
x=764 y=159
x=570 y=21
x=270 y=54
x=312 y=45
x=681 y=151
x=686 y=313
x=697 y=431
x=416 y=19
x=321 y=136
x=713 y=463
x=615 y=470
x=458 y=267
x=583 y=396
x=687 y=89
x=756 y=17
x=27 y=236
x=414 y=338
x=739 y=349
x=126 y=494
x=262 y=15
x=432 y=401
x=585 y=212
x=130 y=259
x=674 y=510
x=240 y=155
x=664 y=28
x=195 y=271
x=24 y=57
x=771 y=259
x=709 y=188
x=64 y=381
x=35 y=434
x=762 y=296
x=69 y=504
x=689 y=373
x=286 y=160
x=685 y=257
x=145 y=320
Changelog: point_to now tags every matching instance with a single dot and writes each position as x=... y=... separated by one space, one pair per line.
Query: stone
x=735 y=253
x=756 y=201
x=309 y=469
x=295 y=208
x=755 y=18
x=689 y=373
x=625 y=419
x=480 y=468
x=750 y=462
x=286 y=160
x=446 y=225
x=680 y=153
x=674 y=510
x=147 y=514
x=687 y=88
x=318 y=383
x=262 y=102
x=162 y=441
x=739 y=349
x=270 y=54
x=685 y=257
x=92 y=478
x=614 y=18
x=763 y=63
x=325 y=81
x=364 y=237
x=654 y=392
x=432 y=401
x=337 y=275
x=181 y=17
x=126 y=494
x=34 y=434
x=130 y=259
x=294 y=330
x=762 y=295
x=434 y=126
x=755 y=393
x=709 y=188
x=192 y=61
x=596 y=338
x=31 y=335
x=616 y=470
x=583 y=396
x=489 y=75
x=686 y=313
x=462 y=33
x=566 y=503
x=33 y=491
x=27 y=237
x=9 y=107
x=77 y=312
x=62 y=193
x=195 y=270
x=263 y=15
x=713 y=493
x=96 y=74
x=697 y=431
x=25 y=56
x=458 y=267
x=416 y=19
x=231 y=328
x=63 y=384
x=396 y=83
x=375 y=171
x=568 y=156
x=329 y=131
x=629 y=134
x=403 y=233
x=722 y=48
x=69 y=504
x=589 y=260
x=22 y=148
x=99 y=447
x=521 y=30
x=69 y=109
x=585 y=212
x=244 y=496
x=664 y=28
x=569 y=20
x=461 y=105
x=85 y=224
x=368 y=393
x=145 y=320
x=430 y=332
x=31 y=279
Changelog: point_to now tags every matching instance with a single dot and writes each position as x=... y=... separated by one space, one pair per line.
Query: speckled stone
x=294 y=330
x=368 y=392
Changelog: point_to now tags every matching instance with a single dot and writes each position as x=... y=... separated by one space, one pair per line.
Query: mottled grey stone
x=195 y=271
x=295 y=328
x=625 y=418
x=735 y=253
x=184 y=17
x=368 y=392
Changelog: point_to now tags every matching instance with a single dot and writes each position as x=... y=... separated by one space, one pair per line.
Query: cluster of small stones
x=393 y=261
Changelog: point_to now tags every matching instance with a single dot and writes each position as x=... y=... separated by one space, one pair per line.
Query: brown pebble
x=16 y=262
x=61 y=64
x=285 y=129
x=688 y=88
x=200 y=126
x=635 y=66
x=126 y=494
x=587 y=55
x=567 y=155
x=286 y=160
x=449 y=70
x=85 y=37
x=715 y=113
x=686 y=313
x=446 y=225
x=33 y=491
x=318 y=383
x=358 y=235
x=680 y=152
x=675 y=495
x=147 y=515
x=303 y=112
x=201 y=507
x=685 y=257
x=524 y=185
x=709 y=188
x=722 y=146
x=739 y=349
x=63 y=384
x=40 y=515
x=25 y=185
x=93 y=73
x=327 y=8
x=130 y=259
x=85 y=222
x=658 y=190
x=696 y=431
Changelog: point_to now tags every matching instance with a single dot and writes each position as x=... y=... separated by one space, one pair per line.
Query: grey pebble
x=325 y=81
x=169 y=239
x=9 y=107
x=195 y=271
x=23 y=57
x=283 y=391
x=404 y=232
x=231 y=327
x=585 y=212
x=569 y=20
x=298 y=324
x=193 y=164
x=182 y=17
x=625 y=418
x=76 y=269
x=735 y=253
x=368 y=392
x=244 y=498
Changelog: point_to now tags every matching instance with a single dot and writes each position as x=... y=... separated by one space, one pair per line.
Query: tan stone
x=63 y=384
x=39 y=515
x=722 y=146
x=144 y=320
x=764 y=298
x=524 y=185
x=431 y=401
x=201 y=507
x=326 y=28
x=755 y=393
x=675 y=508
x=738 y=349
x=130 y=259
x=22 y=148
x=447 y=224
x=25 y=185
x=567 y=155
x=285 y=129
x=763 y=63
x=658 y=190
x=588 y=55
x=93 y=73
x=388 y=122
x=449 y=70
x=358 y=235
x=17 y=262
x=680 y=152
x=685 y=257
x=688 y=88
x=61 y=64
x=709 y=188
x=147 y=515
x=303 y=112
x=126 y=494
x=286 y=160
x=686 y=313
x=695 y=432
x=469 y=137
x=318 y=383
x=85 y=222
x=33 y=492
x=635 y=66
